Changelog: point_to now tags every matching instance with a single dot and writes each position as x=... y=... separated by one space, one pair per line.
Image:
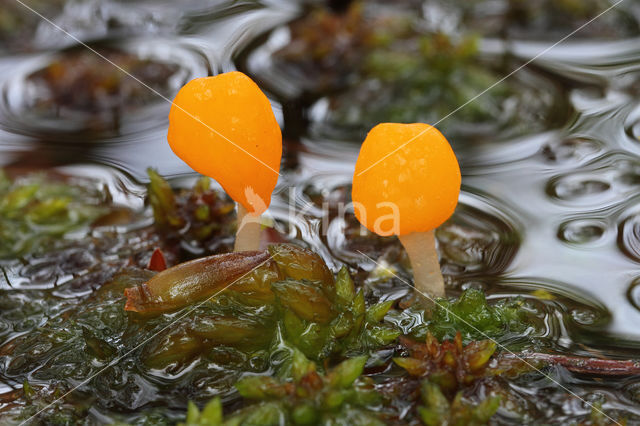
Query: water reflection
x=582 y=231
x=345 y=72
x=76 y=95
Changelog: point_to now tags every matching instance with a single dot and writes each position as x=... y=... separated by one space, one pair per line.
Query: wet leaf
x=436 y=409
x=345 y=290
x=163 y=201
x=96 y=346
x=261 y=387
x=267 y=414
x=377 y=312
x=242 y=331
x=301 y=366
x=299 y=263
x=175 y=346
x=306 y=299
x=192 y=281
x=211 y=414
x=345 y=373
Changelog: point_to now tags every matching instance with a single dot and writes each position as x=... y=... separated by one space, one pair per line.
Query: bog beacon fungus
x=223 y=127
x=407 y=183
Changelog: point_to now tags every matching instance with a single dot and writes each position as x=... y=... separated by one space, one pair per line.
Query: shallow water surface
x=549 y=203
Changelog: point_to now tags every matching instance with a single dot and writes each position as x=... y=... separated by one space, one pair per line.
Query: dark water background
x=559 y=207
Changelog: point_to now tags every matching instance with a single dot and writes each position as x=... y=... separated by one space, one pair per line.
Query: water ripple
x=75 y=96
x=603 y=181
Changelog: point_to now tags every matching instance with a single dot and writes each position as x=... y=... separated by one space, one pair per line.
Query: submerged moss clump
x=475 y=319
x=336 y=321
x=317 y=55
x=448 y=364
x=453 y=366
x=306 y=397
x=423 y=84
x=199 y=217
x=340 y=396
x=40 y=401
x=470 y=315
x=391 y=67
x=216 y=341
x=37 y=210
x=18 y=24
x=291 y=301
x=558 y=17
x=144 y=353
x=437 y=410
x=427 y=77
x=221 y=330
x=78 y=88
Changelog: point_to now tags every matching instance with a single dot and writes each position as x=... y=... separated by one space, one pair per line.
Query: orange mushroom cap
x=405 y=173
x=223 y=127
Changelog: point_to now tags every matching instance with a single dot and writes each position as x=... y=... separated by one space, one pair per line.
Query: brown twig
x=584 y=365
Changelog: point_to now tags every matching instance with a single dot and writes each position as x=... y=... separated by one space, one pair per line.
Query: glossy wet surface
x=548 y=203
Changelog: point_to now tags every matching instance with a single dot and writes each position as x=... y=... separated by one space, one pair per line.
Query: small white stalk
x=421 y=248
x=249 y=231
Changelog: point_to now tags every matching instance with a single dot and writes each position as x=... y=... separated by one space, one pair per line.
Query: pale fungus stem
x=421 y=248
x=249 y=230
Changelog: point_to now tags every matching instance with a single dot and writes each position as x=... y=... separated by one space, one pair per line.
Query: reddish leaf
x=157 y=261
